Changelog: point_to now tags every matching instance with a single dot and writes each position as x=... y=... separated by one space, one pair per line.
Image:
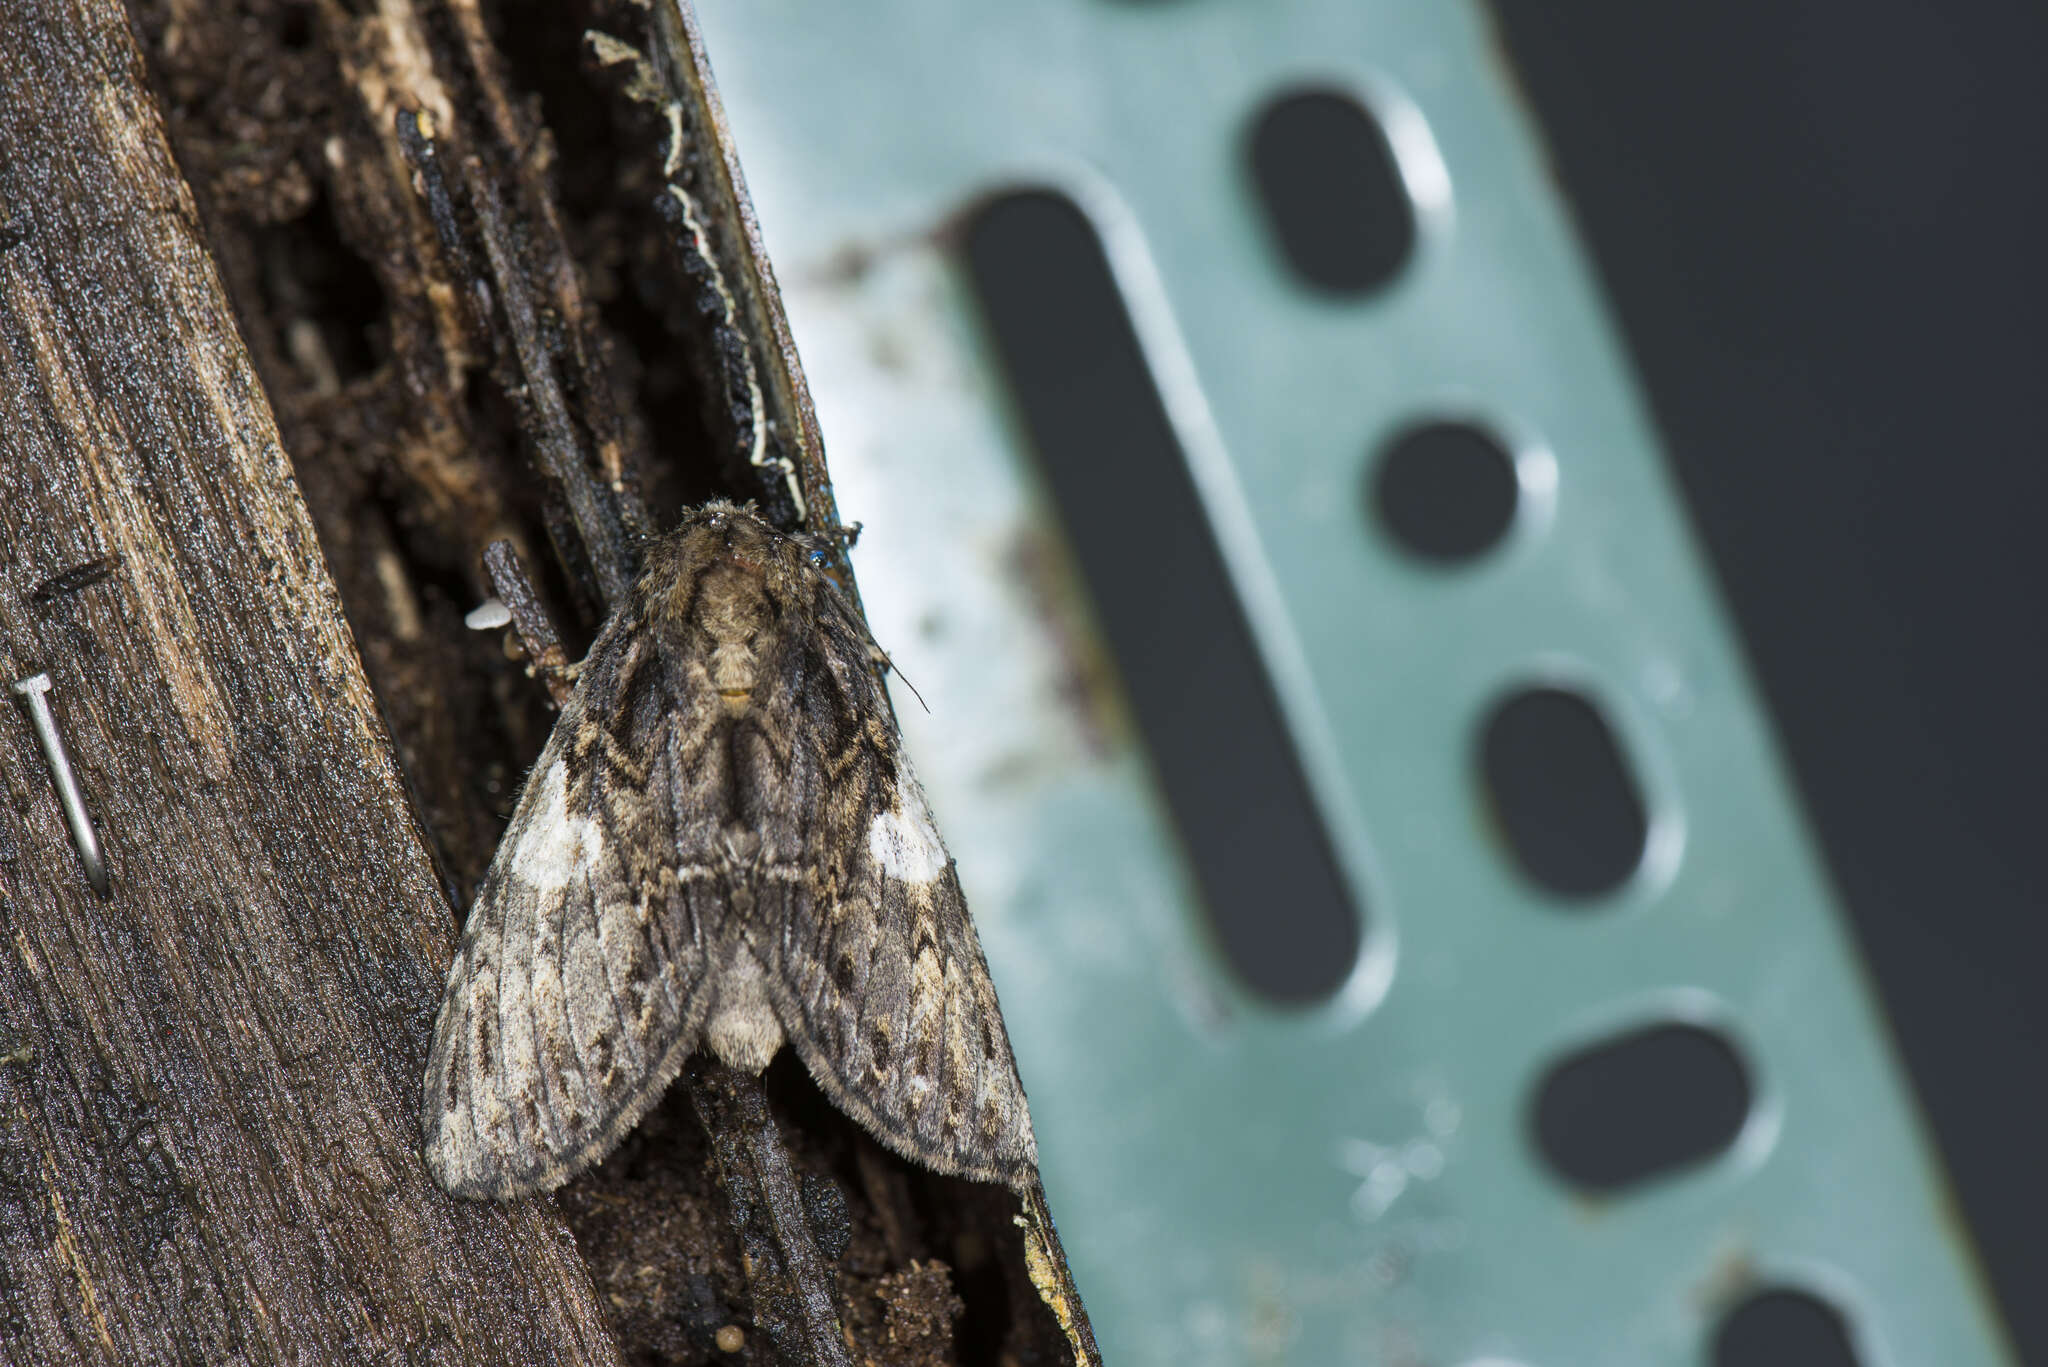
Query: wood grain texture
x=209 y=1082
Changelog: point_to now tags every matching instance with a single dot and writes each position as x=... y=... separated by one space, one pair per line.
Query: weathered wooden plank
x=209 y=1081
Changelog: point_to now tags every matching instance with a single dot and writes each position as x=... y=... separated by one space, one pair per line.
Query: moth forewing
x=722 y=846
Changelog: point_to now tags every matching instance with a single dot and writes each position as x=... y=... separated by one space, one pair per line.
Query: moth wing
x=888 y=998
x=580 y=980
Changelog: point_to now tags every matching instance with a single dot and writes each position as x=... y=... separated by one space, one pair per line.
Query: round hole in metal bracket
x=1332 y=191
x=1446 y=491
x=1641 y=1105
x=1562 y=792
x=1782 y=1327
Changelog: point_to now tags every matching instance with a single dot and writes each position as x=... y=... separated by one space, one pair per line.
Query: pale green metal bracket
x=1354 y=1185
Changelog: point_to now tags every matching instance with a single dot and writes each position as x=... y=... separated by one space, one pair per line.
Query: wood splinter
x=530 y=620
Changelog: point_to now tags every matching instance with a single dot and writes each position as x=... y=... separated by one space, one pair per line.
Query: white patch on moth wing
x=556 y=845
x=904 y=842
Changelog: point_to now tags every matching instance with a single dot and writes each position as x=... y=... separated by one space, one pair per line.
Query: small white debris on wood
x=488 y=615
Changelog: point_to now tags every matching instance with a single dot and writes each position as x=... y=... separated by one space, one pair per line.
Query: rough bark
x=208 y=1142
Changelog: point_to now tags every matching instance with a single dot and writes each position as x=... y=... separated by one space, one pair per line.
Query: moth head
x=727 y=560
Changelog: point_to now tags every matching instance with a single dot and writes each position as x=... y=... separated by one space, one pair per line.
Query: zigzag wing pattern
x=722 y=843
x=581 y=980
x=879 y=974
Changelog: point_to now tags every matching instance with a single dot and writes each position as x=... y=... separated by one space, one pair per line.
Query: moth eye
x=819 y=560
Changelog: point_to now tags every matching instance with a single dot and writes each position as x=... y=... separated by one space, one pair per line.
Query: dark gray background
x=1823 y=225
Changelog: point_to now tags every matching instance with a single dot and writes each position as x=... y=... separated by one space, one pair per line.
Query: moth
x=722 y=846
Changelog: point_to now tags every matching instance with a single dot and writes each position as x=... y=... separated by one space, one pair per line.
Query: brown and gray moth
x=721 y=846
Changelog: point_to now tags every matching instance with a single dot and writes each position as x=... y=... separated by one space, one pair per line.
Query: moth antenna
x=913 y=691
x=881 y=657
